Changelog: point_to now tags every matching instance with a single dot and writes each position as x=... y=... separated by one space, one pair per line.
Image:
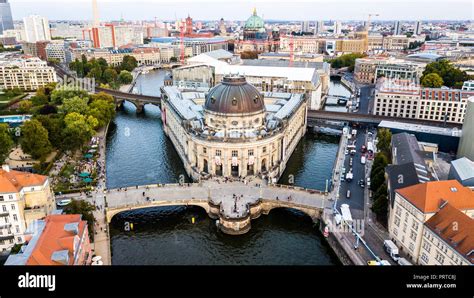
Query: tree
x=173 y=59
x=48 y=109
x=79 y=129
x=34 y=139
x=25 y=106
x=249 y=55
x=102 y=96
x=384 y=137
x=125 y=77
x=451 y=75
x=129 y=63
x=58 y=95
x=110 y=75
x=96 y=73
x=75 y=105
x=432 y=80
x=6 y=142
x=54 y=124
x=85 y=209
x=102 y=110
x=39 y=99
x=347 y=60
x=380 y=205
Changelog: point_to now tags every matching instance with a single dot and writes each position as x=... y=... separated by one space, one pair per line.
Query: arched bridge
x=233 y=204
x=137 y=99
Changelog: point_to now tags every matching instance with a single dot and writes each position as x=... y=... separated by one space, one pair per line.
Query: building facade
x=36 y=28
x=367 y=70
x=24 y=197
x=6 y=20
x=415 y=205
x=404 y=99
x=57 y=240
x=234 y=130
x=26 y=73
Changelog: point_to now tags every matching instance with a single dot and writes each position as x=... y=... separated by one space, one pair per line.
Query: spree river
x=139 y=153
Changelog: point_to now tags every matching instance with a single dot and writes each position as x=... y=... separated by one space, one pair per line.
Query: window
x=250 y=152
x=204 y=150
x=235 y=153
x=397 y=221
x=411 y=246
x=439 y=257
x=10 y=197
x=426 y=246
x=4 y=208
x=13 y=206
x=424 y=258
x=218 y=153
x=264 y=149
x=413 y=235
x=15 y=218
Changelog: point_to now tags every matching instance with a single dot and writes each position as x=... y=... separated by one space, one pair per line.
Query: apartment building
x=24 y=197
x=415 y=205
x=56 y=49
x=24 y=72
x=405 y=99
x=448 y=238
x=368 y=69
x=388 y=43
x=57 y=240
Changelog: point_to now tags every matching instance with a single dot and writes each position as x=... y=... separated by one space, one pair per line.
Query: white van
x=404 y=262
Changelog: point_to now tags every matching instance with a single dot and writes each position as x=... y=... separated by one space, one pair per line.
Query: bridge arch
x=313 y=213
x=111 y=212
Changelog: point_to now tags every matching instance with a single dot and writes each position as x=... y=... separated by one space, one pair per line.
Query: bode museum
x=233 y=130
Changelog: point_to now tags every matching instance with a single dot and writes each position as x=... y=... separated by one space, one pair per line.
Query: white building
x=26 y=73
x=397 y=98
x=337 y=27
x=24 y=197
x=56 y=49
x=36 y=28
x=418 y=204
x=207 y=69
x=397 y=30
x=234 y=130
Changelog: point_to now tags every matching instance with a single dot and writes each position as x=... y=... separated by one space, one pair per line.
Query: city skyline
x=81 y=10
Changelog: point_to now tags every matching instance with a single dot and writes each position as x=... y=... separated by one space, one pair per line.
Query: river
x=138 y=152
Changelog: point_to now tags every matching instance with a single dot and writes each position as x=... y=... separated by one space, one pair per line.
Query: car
x=350 y=162
x=346 y=152
x=348 y=195
x=373 y=263
x=385 y=263
x=368 y=181
x=64 y=202
x=342 y=178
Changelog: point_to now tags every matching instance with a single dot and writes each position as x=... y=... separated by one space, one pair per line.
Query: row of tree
x=443 y=73
x=63 y=119
x=103 y=73
x=377 y=176
x=347 y=60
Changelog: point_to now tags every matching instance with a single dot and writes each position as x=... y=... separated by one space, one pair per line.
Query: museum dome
x=254 y=22
x=234 y=96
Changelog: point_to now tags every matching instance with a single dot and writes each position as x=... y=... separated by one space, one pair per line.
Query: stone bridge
x=232 y=204
x=138 y=100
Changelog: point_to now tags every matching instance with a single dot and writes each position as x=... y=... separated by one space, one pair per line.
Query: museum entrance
x=205 y=168
x=250 y=171
x=219 y=170
x=234 y=171
x=264 y=165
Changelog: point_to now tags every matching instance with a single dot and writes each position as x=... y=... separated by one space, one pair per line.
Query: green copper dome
x=254 y=22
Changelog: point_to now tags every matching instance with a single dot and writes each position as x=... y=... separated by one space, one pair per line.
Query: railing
x=153 y=202
x=298 y=188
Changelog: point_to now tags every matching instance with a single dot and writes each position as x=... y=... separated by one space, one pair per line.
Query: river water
x=139 y=153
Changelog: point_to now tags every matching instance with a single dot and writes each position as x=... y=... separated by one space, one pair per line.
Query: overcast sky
x=241 y=9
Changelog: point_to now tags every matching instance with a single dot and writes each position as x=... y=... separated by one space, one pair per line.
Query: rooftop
x=460 y=238
x=445 y=131
x=54 y=242
x=464 y=168
x=430 y=196
x=13 y=181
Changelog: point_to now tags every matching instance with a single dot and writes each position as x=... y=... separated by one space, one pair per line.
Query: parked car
x=368 y=181
x=348 y=195
x=385 y=263
x=391 y=249
x=63 y=202
x=373 y=263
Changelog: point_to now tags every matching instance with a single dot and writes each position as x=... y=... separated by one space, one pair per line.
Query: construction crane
x=367 y=26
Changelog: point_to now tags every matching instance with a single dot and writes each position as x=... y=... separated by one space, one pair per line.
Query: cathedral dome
x=254 y=22
x=234 y=96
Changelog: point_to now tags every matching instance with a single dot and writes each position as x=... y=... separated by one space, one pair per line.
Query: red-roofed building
x=416 y=205
x=56 y=240
x=24 y=197
x=448 y=238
